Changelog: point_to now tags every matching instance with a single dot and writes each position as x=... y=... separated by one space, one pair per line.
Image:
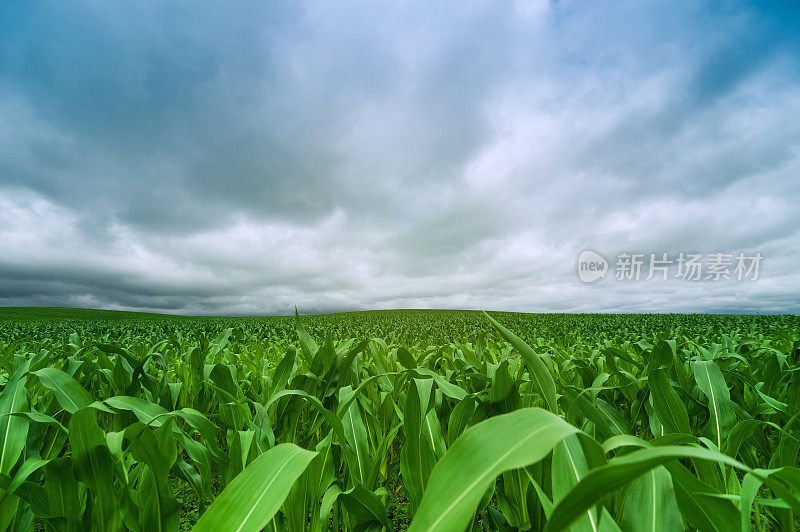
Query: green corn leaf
x=460 y=418
x=484 y=451
x=62 y=489
x=405 y=358
x=698 y=502
x=356 y=433
x=365 y=508
x=308 y=346
x=28 y=467
x=750 y=487
x=13 y=429
x=712 y=383
x=451 y=390
x=69 y=393
x=609 y=426
x=621 y=471
x=253 y=497
x=568 y=467
x=417 y=457
x=668 y=407
x=539 y=372
x=147 y=412
x=650 y=504
x=93 y=465
x=661 y=355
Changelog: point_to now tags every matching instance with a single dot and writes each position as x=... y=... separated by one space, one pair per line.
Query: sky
x=243 y=159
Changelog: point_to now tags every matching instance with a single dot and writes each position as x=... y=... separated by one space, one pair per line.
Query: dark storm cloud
x=188 y=157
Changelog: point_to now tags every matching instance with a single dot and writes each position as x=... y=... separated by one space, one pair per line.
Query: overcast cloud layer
x=187 y=158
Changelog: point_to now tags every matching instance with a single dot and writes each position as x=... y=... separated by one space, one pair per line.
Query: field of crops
x=418 y=420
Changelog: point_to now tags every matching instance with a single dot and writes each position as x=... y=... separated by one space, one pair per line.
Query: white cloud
x=416 y=155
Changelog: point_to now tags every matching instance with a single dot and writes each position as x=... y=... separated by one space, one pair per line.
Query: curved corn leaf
x=477 y=457
x=621 y=471
x=539 y=372
x=69 y=393
x=253 y=497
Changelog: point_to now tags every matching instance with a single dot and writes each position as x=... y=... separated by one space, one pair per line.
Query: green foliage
x=427 y=420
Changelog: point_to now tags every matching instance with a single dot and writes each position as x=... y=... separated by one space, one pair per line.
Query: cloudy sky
x=193 y=158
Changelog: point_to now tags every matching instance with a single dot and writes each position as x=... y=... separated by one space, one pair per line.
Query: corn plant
x=418 y=420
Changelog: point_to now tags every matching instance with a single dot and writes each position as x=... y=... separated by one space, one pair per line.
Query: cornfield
x=418 y=420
